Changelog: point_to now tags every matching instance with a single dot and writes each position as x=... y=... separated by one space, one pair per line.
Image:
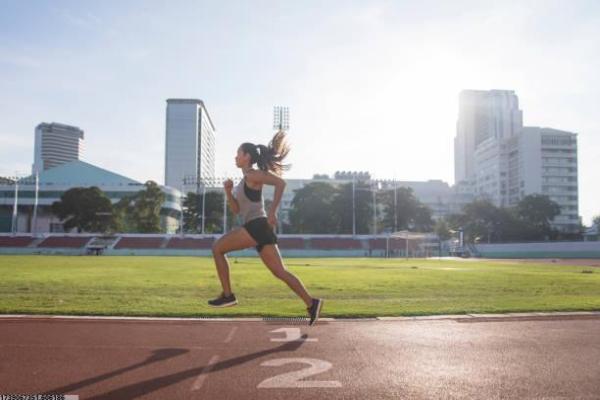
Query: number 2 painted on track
x=292 y=379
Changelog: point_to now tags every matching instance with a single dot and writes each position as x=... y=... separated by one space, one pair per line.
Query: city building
x=55 y=181
x=189 y=145
x=56 y=144
x=548 y=165
x=482 y=115
x=498 y=159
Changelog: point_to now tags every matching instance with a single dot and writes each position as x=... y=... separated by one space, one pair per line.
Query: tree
x=312 y=209
x=481 y=220
x=140 y=212
x=538 y=211
x=87 y=209
x=442 y=230
x=342 y=209
x=409 y=212
x=596 y=220
x=213 y=212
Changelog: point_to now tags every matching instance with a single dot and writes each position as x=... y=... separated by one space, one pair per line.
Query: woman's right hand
x=228 y=185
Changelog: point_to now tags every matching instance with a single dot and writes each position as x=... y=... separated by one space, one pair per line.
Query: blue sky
x=371 y=85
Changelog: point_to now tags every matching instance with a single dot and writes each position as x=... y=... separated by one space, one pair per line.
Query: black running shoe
x=223 y=301
x=314 y=310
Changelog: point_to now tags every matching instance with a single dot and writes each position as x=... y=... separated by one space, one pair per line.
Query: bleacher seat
x=65 y=241
x=190 y=243
x=290 y=243
x=15 y=241
x=129 y=242
x=335 y=244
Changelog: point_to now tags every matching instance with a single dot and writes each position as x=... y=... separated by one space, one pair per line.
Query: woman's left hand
x=272 y=218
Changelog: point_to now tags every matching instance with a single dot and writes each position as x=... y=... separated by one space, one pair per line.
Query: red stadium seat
x=129 y=242
x=65 y=241
x=15 y=241
x=190 y=243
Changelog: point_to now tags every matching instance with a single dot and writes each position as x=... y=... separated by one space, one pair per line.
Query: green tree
x=481 y=221
x=86 y=209
x=538 y=211
x=213 y=213
x=442 y=229
x=410 y=213
x=140 y=212
x=342 y=209
x=312 y=209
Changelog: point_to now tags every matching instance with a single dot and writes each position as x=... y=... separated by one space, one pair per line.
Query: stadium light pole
x=395 y=207
x=375 y=186
x=353 y=207
x=224 y=212
x=35 y=202
x=13 y=228
x=203 y=202
x=281 y=118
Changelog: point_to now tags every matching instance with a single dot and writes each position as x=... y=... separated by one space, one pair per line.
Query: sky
x=371 y=85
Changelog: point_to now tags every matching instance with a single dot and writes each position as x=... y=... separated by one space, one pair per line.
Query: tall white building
x=544 y=161
x=56 y=144
x=190 y=144
x=502 y=161
x=482 y=115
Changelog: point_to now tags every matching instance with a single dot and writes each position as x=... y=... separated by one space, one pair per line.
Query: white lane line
x=230 y=336
x=291 y=335
x=200 y=380
x=93 y=346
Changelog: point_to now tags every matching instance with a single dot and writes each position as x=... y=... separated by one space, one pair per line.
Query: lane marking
x=293 y=379
x=291 y=335
x=92 y=346
x=20 y=317
x=230 y=336
x=202 y=377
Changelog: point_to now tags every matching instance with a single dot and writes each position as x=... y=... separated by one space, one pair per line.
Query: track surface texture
x=488 y=357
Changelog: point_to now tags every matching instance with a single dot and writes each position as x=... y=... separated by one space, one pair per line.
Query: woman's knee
x=217 y=248
x=281 y=273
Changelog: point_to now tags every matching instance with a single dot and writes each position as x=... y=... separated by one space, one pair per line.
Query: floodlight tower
x=281 y=122
x=281 y=118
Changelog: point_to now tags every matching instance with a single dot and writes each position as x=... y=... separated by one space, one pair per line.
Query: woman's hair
x=269 y=158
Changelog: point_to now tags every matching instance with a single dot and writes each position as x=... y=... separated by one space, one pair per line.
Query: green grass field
x=352 y=287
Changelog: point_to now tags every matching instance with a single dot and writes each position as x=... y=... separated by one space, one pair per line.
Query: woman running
x=259 y=227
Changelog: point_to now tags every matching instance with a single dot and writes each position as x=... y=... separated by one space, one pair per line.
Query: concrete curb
x=291 y=319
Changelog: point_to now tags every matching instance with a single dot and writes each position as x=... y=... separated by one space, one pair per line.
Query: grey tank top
x=249 y=209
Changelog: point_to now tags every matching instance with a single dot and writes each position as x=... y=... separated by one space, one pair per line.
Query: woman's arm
x=269 y=178
x=231 y=201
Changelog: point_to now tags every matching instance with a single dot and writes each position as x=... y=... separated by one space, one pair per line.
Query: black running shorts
x=261 y=231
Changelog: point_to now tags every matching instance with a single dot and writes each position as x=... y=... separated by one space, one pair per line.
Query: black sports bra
x=252 y=194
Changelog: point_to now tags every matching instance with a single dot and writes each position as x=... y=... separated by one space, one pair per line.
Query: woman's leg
x=272 y=259
x=236 y=239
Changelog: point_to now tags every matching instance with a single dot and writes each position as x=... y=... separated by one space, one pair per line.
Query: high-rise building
x=56 y=144
x=190 y=145
x=547 y=164
x=482 y=115
x=502 y=161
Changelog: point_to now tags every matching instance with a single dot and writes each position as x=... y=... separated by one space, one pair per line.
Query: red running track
x=484 y=358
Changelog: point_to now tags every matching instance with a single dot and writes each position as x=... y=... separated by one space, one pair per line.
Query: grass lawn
x=352 y=287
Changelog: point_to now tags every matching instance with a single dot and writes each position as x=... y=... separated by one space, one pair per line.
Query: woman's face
x=242 y=159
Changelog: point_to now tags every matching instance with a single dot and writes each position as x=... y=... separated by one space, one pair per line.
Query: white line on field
x=200 y=380
x=230 y=336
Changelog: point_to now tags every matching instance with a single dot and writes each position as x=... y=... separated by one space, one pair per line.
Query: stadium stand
x=15 y=241
x=132 y=242
x=73 y=242
x=335 y=244
x=190 y=243
x=291 y=243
